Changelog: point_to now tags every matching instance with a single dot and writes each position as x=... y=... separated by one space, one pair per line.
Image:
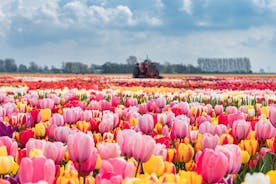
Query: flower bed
x=116 y=130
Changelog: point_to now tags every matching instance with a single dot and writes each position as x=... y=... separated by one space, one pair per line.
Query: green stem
x=137 y=168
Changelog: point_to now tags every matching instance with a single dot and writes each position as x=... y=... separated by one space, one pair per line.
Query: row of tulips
x=137 y=136
x=239 y=82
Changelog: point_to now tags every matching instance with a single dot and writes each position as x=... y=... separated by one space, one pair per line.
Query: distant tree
x=33 y=67
x=10 y=65
x=131 y=60
x=22 y=68
x=2 y=66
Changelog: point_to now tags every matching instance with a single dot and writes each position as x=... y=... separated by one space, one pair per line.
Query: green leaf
x=267 y=162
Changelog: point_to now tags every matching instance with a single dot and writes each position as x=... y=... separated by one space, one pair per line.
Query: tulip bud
x=185 y=152
x=154 y=165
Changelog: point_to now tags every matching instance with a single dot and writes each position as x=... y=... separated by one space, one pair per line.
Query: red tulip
x=212 y=165
x=24 y=136
x=36 y=169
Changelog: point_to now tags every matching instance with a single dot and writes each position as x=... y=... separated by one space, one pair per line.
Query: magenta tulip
x=212 y=165
x=235 y=116
x=37 y=169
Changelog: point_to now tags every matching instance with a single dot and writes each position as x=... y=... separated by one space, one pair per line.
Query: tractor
x=146 y=69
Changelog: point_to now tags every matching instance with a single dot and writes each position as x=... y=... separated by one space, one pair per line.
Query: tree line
x=9 y=66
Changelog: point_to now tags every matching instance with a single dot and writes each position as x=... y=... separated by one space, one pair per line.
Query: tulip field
x=112 y=129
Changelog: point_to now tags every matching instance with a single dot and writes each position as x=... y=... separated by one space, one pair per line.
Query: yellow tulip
x=171 y=152
x=185 y=153
x=272 y=175
x=8 y=165
x=265 y=111
x=158 y=128
x=154 y=165
x=190 y=177
x=245 y=157
x=169 y=167
x=99 y=162
x=40 y=130
x=168 y=178
x=45 y=114
x=3 y=151
x=133 y=121
x=83 y=126
x=214 y=121
x=35 y=153
x=189 y=166
x=250 y=145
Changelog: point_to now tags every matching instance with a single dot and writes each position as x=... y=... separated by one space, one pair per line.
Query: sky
x=50 y=32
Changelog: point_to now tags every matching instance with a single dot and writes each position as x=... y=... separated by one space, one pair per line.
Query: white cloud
x=153 y=21
x=187 y=6
x=265 y=4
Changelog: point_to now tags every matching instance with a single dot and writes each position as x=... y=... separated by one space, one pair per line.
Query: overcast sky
x=177 y=31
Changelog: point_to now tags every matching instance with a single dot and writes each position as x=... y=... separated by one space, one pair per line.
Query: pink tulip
x=61 y=133
x=115 y=101
x=35 y=143
x=2 y=112
x=152 y=106
x=124 y=139
x=142 y=108
x=194 y=135
x=234 y=157
x=205 y=127
x=218 y=109
x=36 y=169
x=272 y=115
x=233 y=117
x=264 y=130
x=113 y=171
x=180 y=128
x=57 y=119
x=80 y=146
x=202 y=119
x=11 y=145
x=209 y=141
x=109 y=122
x=219 y=129
x=94 y=105
x=86 y=115
x=10 y=108
x=146 y=123
x=89 y=165
x=241 y=129
x=162 y=118
x=54 y=151
x=160 y=150
x=212 y=165
x=47 y=103
x=71 y=115
x=130 y=102
x=55 y=98
x=109 y=150
x=142 y=147
x=105 y=105
x=231 y=110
